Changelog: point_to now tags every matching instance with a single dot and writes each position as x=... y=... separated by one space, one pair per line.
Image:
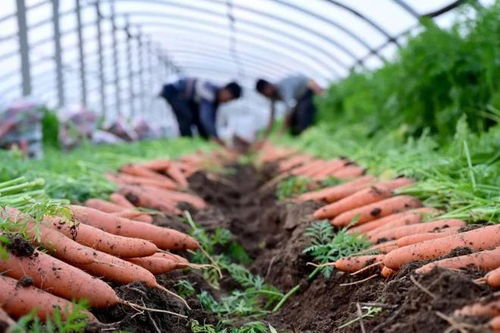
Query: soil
x=19 y=246
x=272 y=233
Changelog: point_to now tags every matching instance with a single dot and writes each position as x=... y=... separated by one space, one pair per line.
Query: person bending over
x=297 y=93
x=195 y=102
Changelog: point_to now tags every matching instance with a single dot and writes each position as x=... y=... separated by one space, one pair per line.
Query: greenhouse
x=266 y=166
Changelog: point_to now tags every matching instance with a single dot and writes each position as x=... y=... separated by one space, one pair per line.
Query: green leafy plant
x=292 y=186
x=371 y=311
x=328 y=246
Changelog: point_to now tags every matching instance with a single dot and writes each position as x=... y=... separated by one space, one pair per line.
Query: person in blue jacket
x=195 y=102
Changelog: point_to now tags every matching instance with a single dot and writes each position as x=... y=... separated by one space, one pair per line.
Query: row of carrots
x=101 y=241
x=395 y=224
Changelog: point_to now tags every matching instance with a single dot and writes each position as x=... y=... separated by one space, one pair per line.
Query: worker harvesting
x=195 y=102
x=296 y=92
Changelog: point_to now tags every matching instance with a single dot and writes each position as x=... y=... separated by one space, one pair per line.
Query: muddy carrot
x=142 y=198
x=123 y=178
x=312 y=165
x=329 y=169
x=164 y=238
x=361 y=198
x=181 y=261
x=349 y=171
x=396 y=183
x=177 y=197
x=119 y=199
x=354 y=264
x=493 y=278
x=417 y=228
x=384 y=247
x=341 y=191
x=490 y=309
x=103 y=241
x=134 y=215
x=59 y=278
x=377 y=210
x=102 y=205
x=394 y=220
x=293 y=162
x=139 y=171
x=417 y=238
x=175 y=172
x=156 y=165
x=156 y=265
x=18 y=301
x=479 y=239
x=6 y=322
x=484 y=260
x=495 y=324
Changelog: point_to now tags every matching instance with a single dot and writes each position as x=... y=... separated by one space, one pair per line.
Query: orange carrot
x=395 y=220
x=180 y=261
x=293 y=162
x=164 y=238
x=102 y=205
x=142 y=198
x=177 y=197
x=341 y=191
x=322 y=165
x=18 y=301
x=329 y=169
x=384 y=247
x=387 y=272
x=417 y=238
x=479 y=239
x=312 y=165
x=134 y=215
x=354 y=264
x=361 y=198
x=349 y=171
x=495 y=324
x=156 y=265
x=123 y=178
x=493 y=278
x=377 y=210
x=490 y=309
x=415 y=229
x=100 y=240
x=119 y=199
x=139 y=171
x=485 y=260
x=396 y=183
x=6 y=322
x=59 y=278
x=175 y=172
x=156 y=165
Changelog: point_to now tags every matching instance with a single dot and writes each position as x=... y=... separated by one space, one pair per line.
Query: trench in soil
x=272 y=233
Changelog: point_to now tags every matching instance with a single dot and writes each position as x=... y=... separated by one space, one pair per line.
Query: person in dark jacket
x=296 y=92
x=195 y=103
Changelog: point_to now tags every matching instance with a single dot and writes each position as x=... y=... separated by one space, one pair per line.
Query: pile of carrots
x=400 y=228
x=102 y=241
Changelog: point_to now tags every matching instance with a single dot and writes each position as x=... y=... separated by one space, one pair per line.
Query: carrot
x=354 y=264
x=134 y=215
x=417 y=238
x=142 y=198
x=175 y=172
x=490 y=309
x=123 y=178
x=156 y=265
x=384 y=247
x=341 y=191
x=479 y=239
x=387 y=272
x=156 y=165
x=318 y=167
x=54 y=242
x=396 y=183
x=303 y=169
x=349 y=171
x=485 y=260
x=59 y=278
x=177 y=197
x=495 y=324
x=103 y=241
x=415 y=229
x=394 y=220
x=164 y=238
x=18 y=301
x=493 y=278
x=293 y=162
x=377 y=210
x=119 y=199
x=361 y=198
x=6 y=322
x=329 y=169
x=180 y=261
x=136 y=170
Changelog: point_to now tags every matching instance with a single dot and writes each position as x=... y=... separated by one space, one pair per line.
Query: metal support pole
x=24 y=47
x=100 y=50
x=61 y=99
x=140 y=57
x=116 y=65
x=151 y=83
x=81 y=53
x=130 y=69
